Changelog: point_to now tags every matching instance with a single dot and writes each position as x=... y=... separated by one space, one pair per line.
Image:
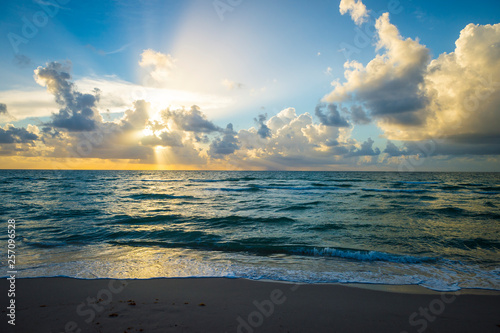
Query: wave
x=427 y=198
x=300 y=188
x=162 y=180
x=260 y=246
x=362 y=255
x=151 y=196
x=394 y=190
x=416 y=183
x=452 y=188
x=46 y=245
x=490 y=188
x=473 y=243
x=234 y=189
x=206 y=180
x=451 y=211
x=301 y=206
x=127 y=219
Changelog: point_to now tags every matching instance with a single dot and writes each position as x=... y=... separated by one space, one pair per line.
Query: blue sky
x=237 y=60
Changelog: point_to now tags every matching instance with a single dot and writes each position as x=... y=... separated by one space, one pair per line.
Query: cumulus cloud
x=11 y=134
x=332 y=117
x=454 y=98
x=392 y=150
x=78 y=112
x=263 y=130
x=359 y=116
x=225 y=146
x=355 y=8
x=192 y=120
x=296 y=141
x=165 y=139
x=158 y=63
x=138 y=117
x=389 y=85
x=366 y=149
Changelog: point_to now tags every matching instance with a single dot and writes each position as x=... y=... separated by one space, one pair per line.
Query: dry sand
x=238 y=305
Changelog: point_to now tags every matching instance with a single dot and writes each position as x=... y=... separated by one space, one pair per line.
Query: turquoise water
x=438 y=230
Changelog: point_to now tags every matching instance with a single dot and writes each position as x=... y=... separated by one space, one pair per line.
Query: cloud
x=366 y=149
x=393 y=150
x=263 y=131
x=359 y=116
x=11 y=134
x=4 y=114
x=225 y=146
x=158 y=63
x=78 y=112
x=231 y=85
x=165 y=139
x=332 y=118
x=389 y=86
x=296 y=141
x=138 y=117
x=355 y=8
x=454 y=98
x=192 y=120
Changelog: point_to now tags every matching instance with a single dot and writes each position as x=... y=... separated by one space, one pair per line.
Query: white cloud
x=355 y=8
x=454 y=98
x=159 y=65
x=389 y=84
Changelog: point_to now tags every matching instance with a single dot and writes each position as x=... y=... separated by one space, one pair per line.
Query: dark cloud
x=78 y=112
x=359 y=116
x=3 y=109
x=225 y=146
x=397 y=101
x=365 y=150
x=393 y=150
x=16 y=135
x=475 y=146
x=475 y=138
x=332 y=117
x=193 y=120
x=263 y=131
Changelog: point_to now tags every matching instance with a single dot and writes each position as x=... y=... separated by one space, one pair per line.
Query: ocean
x=437 y=230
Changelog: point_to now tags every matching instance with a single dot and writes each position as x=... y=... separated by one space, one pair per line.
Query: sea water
x=437 y=230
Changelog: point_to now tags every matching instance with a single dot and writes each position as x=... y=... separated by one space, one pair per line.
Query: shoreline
x=60 y=304
x=395 y=288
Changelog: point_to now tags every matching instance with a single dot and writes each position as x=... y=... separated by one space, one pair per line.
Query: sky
x=395 y=85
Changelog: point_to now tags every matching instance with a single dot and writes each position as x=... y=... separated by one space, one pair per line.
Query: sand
x=239 y=305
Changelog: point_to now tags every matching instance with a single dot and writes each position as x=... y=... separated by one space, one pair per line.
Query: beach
x=241 y=305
